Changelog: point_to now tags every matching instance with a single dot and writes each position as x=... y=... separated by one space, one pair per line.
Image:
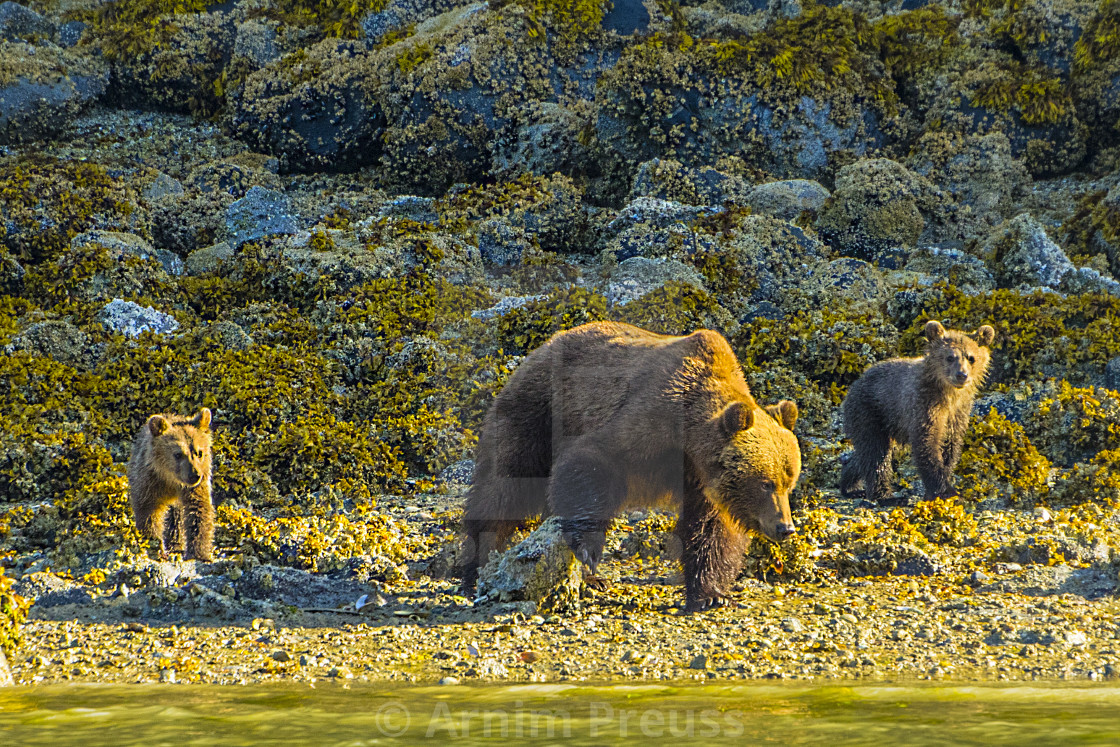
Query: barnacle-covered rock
x=878 y=204
x=1022 y=254
x=633 y=278
x=43 y=88
x=788 y=199
x=978 y=171
x=667 y=179
x=541 y=568
x=1033 y=109
x=55 y=339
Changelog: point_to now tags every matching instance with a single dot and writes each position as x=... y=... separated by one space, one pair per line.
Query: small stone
x=449 y=681
x=342 y=673
x=529 y=656
x=168 y=676
x=700 y=661
x=979 y=578
x=1042 y=515
x=281 y=656
x=792 y=625
x=1076 y=638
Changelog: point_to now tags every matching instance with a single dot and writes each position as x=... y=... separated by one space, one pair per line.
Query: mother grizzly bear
x=608 y=416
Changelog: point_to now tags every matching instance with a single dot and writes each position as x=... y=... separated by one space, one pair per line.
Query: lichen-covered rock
x=953 y=265
x=670 y=180
x=788 y=199
x=541 y=568
x=122 y=243
x=762 y=262
x=43 y=88
x=12 y=274
x=877 y=204
x=55 y=339
x=978 y=171
x=210 y=258
x=1034 y=110
x=550 y=138
x=500 y=244
x=1022 y=254
x=696 y=103
x=20 y=22
x=638 y=276
x=259 y=214
x=174 y=62
x=313 y=108
x=131 y=319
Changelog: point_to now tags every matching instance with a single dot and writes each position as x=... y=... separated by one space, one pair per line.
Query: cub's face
x=962 y=359
x=757 y=468
x=181 y=451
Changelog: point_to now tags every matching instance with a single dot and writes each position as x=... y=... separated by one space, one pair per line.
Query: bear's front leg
x=173 y=539
x=930 y=461
x=586 y=492
x=199 y=523
x=149 y=517
x=713 y=552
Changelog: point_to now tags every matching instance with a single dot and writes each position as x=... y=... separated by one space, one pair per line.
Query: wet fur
x=169 y=474
x=915 y=402
x=606 y=416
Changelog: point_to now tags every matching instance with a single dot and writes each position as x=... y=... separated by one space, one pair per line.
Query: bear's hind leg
x=872 y=463
x=713 y=552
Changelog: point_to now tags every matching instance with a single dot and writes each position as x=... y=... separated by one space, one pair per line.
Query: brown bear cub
x=608 y=416
x=924 y=402
x=169 y=473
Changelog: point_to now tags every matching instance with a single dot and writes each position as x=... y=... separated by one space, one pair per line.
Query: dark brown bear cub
x=169 y=472
x=924 y=402
x=608 y=416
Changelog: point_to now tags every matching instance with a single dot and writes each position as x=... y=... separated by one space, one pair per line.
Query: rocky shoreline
x=340 y=229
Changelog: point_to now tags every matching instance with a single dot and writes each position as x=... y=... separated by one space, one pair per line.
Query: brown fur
x=924 y=402
x=607 y=416
x=169 y=474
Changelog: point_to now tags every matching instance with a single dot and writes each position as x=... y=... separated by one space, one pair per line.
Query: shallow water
x=91 y=715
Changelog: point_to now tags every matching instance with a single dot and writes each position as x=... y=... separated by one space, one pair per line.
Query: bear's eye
x=952 y=357
x=767 y=485
x=972 y=359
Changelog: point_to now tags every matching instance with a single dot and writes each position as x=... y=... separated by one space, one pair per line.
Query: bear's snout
x=784 y=530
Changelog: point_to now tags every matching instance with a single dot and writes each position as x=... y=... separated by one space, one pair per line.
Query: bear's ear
x=985 y=335
x=785 y=412
x=158 y=425
x=202 y=419
x=933 y=330
x=737 y=416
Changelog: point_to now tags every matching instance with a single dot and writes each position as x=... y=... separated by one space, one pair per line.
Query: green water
x=92 y=715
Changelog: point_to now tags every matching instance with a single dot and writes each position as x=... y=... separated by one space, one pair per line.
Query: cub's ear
x=202 y=419
x=736 y=417
x=933 y=330
x=158 y=425
x=785 y=412
x=985 y=335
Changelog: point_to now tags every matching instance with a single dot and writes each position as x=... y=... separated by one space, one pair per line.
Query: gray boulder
x=131 y=319
x=44 y=89
x=788 y=199
x=20 y=22
x=637 y=276
x=260 y=213
x=1025 y=256
x=541 y=568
